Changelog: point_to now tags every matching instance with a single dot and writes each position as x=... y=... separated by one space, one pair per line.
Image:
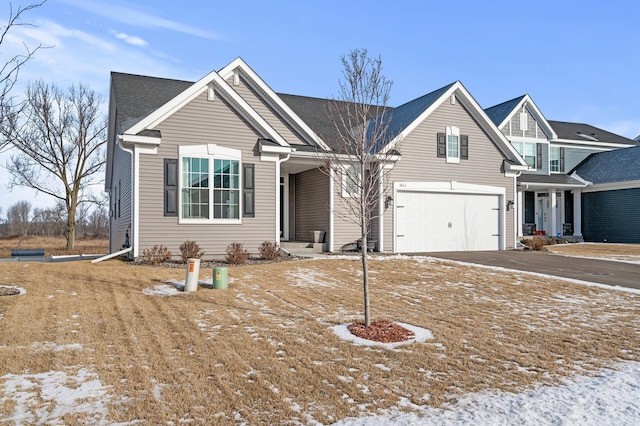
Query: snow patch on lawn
x=610 y=397
x=62 y=394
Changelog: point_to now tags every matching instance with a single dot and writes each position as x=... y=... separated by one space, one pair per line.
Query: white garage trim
x=452 y=187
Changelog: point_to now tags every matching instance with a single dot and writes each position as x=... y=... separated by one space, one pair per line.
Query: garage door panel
x=447 y=222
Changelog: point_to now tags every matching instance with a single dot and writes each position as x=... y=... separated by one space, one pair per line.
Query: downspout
x=278 y=212
x=134 y=228
x=381 y=207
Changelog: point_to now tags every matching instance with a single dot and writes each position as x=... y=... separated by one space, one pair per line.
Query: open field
x=53 y=246
x=264 y=350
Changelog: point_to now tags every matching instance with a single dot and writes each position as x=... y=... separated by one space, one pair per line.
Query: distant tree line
x=21 y=220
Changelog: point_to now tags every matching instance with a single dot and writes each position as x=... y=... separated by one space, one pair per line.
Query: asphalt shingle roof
x=618 y=165
x=498 y=113
x=554 y=179
x=587 y=133
x=137 y=96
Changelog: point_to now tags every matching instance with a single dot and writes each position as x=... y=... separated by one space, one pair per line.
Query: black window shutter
x=561 y=160
x=442 y=145
x=464 y=147
x=248 y=186
x=538 y=156
x=171 y=187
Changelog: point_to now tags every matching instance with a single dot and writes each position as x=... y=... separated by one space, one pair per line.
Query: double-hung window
x=453 y=144
x=528 y=152
x=210 y=184
x=554 y=159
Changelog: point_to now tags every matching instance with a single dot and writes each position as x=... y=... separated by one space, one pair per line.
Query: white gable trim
x=476 y=111
x=272 y=98
x=201 y=86
x=528 y=103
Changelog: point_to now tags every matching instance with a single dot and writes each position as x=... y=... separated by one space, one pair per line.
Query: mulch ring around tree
x=381 y=331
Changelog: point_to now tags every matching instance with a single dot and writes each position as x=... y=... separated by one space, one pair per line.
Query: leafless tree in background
x=58 y=139
x=10 y=66
x=360 y=161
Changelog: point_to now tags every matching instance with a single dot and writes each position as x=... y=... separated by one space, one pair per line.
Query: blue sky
x=579 y=61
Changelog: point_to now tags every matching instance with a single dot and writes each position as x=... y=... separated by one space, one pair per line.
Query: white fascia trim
x=577 y=177
x=449 y=186
x=528 y=140
x=508 y=167
x=632 y=184
x=276 y=149
x=273 y=99
x=479 y=113
x=533 y=108
x=139 y=140
x=202 y=85
x=603 y=144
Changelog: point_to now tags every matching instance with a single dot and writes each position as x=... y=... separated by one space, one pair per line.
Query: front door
x=543 y=212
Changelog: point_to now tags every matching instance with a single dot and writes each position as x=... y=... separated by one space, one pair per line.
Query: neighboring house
x=549 y=199
x=611 y=197
x=226 y=159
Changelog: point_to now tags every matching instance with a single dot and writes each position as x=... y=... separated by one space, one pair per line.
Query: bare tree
x=11 y=67
x=58 y=138
x=18 y=217
x=360 y=158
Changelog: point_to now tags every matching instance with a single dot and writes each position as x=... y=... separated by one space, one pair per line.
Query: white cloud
x=137 y=18
x=136 y=41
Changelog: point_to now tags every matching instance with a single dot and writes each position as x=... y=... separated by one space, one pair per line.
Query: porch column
x=519 y=212
x=554 y=213
x=577 y=213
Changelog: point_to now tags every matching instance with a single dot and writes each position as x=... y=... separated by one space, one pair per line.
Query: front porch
x=549 y=206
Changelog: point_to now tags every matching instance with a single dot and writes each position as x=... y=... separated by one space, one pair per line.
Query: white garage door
x=432 y=221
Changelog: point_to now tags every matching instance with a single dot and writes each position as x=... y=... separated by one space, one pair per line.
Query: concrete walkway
x=591 y=270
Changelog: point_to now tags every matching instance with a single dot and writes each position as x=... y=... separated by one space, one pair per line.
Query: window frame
x=553 y=149
x=524 y=155
x=210 y=152
x=350 y=189
x=452 y=132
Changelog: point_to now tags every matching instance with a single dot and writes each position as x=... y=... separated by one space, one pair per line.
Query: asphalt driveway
x=591 y=270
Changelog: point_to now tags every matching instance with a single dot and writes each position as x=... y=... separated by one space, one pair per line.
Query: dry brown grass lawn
x=263 y=351
x=54 y=246
x=628 y=252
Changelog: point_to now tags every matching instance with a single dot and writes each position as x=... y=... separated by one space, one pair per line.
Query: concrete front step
x=303 y=247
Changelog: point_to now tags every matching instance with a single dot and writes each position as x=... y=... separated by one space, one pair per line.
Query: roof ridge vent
x=591 y=137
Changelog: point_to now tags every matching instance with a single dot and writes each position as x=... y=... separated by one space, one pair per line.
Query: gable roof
x=499 y=113
x=618 y=165
x=138 y=96
x=408 y=116
x=503 y=112
x=272 y=99
x=587 y=133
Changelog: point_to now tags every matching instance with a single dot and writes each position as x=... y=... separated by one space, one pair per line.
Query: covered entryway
x=448 y=221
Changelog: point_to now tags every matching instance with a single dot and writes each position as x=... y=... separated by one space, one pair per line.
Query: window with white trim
x=453 y=144
x=350 y=181
x=554 y=159
x=528 y=152
x=210 y=184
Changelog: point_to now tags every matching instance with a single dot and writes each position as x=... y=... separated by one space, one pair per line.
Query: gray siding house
x=226 y=159
x=549 y=198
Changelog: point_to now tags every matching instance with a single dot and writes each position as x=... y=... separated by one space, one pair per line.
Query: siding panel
x=611 y=216
x=202 y=122
x=311 y=204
